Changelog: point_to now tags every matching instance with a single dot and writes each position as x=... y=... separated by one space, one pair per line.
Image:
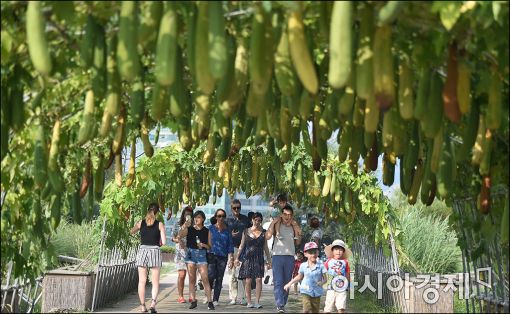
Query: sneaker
x=181 y=300
x=215 y=303
x=257 y=306
x=280 y=309
x=266 y=280
x=250 y=305
x=193 y=305
x=210 y=306
x=205 y=301
x=200 y=285
x=232 y=302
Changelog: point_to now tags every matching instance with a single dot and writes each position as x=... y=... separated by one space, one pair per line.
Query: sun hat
x=329 y=249
x=310 y=246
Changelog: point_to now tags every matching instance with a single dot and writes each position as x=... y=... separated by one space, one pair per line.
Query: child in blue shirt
x=313 y=275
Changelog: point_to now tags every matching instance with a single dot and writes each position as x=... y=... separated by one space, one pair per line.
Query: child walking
x=300 y=258
x=313 y=275
x=338 y=272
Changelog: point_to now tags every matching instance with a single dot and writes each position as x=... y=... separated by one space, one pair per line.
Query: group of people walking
x=248 y=250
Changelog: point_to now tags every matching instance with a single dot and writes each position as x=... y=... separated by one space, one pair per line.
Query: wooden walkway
x=168 y=300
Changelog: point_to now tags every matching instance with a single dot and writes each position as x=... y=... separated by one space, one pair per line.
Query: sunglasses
x=236 y=207
x=220 y=216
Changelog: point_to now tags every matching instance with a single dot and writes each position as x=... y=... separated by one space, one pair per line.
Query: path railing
x=20 y=295
x=376 y=268
x=116 y=274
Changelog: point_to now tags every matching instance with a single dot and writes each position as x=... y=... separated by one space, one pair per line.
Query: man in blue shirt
x=222 y=250
x=236 y=223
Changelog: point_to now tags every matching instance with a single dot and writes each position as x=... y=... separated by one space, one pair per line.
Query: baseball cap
x=310 y=246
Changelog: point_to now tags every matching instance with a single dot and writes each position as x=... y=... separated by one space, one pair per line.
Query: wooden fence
x=68 y=288
x=116 y=274
x=398 y=291
x=20 y=295
x=376 y=268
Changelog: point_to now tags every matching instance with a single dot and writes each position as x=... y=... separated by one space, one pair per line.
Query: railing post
x=7 y=284
x=396 y=268
x=103 y=236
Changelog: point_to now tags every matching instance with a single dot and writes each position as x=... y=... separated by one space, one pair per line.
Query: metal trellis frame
x=485 y=296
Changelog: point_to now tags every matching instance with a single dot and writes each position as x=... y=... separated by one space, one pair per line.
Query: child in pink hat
x=313 y=275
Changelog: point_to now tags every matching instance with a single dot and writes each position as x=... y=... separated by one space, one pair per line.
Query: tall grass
x=366 y=302
x=80 y=241
x=428 y=245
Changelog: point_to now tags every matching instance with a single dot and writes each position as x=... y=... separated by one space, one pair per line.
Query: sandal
x=144 y=308
x=153 y=308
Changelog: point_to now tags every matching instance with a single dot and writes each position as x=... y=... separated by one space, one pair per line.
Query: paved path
x=168 y=300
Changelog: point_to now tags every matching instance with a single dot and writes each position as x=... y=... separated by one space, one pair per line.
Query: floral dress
x=180 y=250
x=253 y=257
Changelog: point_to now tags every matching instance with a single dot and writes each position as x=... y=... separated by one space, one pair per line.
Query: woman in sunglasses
x=222 y=253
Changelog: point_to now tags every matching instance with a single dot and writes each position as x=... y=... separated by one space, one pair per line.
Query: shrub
x=428 y=245
x=80 y=241
x=167 y=249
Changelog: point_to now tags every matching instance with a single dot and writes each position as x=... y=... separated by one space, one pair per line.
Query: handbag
x=211 y=258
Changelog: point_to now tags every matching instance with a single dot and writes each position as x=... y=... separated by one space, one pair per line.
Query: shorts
x=339 y=299
x=149 y=256
x=180 y=255
x=311 y=304
x=196 y=256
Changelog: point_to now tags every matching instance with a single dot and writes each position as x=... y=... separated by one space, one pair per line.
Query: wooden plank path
x=168 y=300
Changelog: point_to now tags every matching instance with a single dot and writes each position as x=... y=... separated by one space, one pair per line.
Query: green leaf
x=483 y=85
x=64 y=10
x=291 y=5
x=449 y=13
x=496 y=8
x=150 y=186
x=267 y=6
x=386 y=250
x=488 y=230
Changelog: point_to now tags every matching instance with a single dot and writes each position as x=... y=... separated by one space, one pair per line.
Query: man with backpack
x=286 y=238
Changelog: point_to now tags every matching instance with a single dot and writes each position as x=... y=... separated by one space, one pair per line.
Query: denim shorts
x=196 y=256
